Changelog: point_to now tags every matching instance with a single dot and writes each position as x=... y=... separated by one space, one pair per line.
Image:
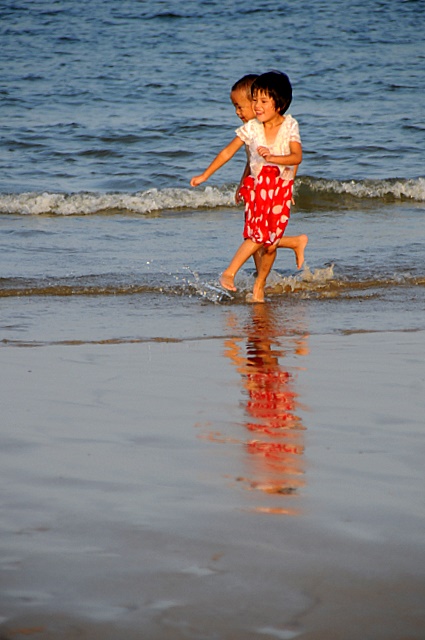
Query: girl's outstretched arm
x=220 y=159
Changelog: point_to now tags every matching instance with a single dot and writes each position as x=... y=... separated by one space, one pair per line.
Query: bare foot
x=250 y=298
x=257 y=294
x=227 y=281
x=299 y=251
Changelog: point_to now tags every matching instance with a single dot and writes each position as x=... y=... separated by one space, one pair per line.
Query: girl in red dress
x=275 y=148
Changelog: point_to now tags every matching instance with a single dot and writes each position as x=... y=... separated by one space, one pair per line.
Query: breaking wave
x=310 y=193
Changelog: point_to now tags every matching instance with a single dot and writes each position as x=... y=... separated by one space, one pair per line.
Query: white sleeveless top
x=252 y=133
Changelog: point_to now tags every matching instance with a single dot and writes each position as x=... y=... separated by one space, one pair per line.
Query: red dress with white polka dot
x=267 y=205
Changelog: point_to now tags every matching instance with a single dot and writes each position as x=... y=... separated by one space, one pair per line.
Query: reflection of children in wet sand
x=276 y=432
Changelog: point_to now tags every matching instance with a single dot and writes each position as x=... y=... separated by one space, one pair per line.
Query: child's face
x=264 y=106
x=243 y=105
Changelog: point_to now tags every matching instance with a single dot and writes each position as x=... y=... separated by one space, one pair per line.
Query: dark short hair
x=276 y=85
x=245 y=83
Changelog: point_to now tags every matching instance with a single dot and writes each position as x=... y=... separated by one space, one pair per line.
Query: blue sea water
x=127 y=96
x=108 y=108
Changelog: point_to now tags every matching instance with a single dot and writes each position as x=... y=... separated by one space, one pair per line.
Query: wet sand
x=254 y=486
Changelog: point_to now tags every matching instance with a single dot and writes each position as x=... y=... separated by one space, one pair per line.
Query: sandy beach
x=158 y=489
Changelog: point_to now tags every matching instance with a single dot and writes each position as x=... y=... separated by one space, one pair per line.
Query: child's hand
x=197 y=180
x=238 y=197
x=263 y=152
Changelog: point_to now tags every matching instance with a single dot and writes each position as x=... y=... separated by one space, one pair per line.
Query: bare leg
x=267 y=261
x=245 y=251
x=297 y=244
x=257 y=258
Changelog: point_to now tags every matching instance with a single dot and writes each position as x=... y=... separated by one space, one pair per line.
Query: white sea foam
x=398 y=189
x=90 y=203
x=155 y=200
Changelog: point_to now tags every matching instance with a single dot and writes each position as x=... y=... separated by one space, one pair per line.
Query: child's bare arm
x=294 y=158
x=221 y=158
x=245 y=174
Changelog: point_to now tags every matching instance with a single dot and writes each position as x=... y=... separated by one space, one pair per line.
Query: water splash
x=205 y=290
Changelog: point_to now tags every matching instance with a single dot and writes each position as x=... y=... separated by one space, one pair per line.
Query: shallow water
x=123 y=277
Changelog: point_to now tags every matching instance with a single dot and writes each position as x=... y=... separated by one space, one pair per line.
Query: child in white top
x=274 y=149
x=241 y=98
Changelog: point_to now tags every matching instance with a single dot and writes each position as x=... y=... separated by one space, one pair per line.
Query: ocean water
x=109 y=108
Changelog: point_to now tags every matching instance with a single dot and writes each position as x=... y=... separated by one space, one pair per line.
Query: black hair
x=245 y=83
x=276 y=85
